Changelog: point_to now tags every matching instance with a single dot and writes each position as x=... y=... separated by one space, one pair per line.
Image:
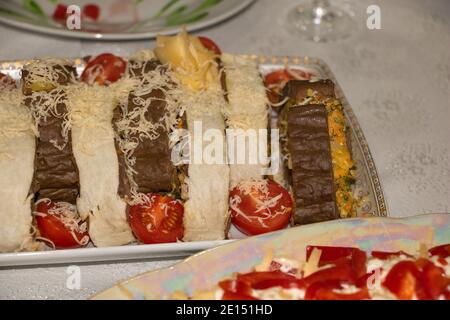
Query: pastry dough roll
x=96 y=157
x=17 y=148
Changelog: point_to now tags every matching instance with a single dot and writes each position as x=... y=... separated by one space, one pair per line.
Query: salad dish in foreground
x=341 y=273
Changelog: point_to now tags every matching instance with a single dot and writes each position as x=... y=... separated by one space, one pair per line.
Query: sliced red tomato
x=255 y=211
x=354 y=257
x=6 y=82
x=60 y=12
x=402 y=280
x=104 y=69
x=326 y=290
x=160 y=220
x=442 y=251
x=210 y=45
x=92 y=11
x=51 y=225
x=383 y=255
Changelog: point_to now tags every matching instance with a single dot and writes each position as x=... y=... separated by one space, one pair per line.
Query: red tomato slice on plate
x=61 y=225
x=6 y=82
x=104 y=69
x=160 y=220
x=210 y=45
x=255 y=211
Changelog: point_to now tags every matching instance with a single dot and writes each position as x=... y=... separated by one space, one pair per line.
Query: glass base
x=320 y=24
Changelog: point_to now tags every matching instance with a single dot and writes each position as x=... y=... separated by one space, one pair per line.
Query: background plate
x=120 y=19
x=368 y=186
x=202 y=271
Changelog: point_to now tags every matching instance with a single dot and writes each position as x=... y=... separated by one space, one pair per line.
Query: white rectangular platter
x=367 y=186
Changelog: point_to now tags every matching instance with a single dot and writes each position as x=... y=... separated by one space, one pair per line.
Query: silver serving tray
x=367 y=187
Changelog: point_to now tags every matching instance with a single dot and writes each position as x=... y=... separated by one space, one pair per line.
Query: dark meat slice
x=56 y=173
x=297 y=89
x=154 y=169
x=312 y=172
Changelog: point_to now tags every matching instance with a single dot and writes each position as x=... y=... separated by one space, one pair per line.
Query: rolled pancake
x=17 y=148
x=96 y=157
x=206 y=214
x=247 y=109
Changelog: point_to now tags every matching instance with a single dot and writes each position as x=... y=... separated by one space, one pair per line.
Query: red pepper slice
x=342 y=272
x=355 y=257
x=442 y=251
x=402 y=280
x=227 y=295
x=434 y=281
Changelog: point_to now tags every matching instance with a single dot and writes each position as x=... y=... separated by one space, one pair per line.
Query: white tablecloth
x=396 y=79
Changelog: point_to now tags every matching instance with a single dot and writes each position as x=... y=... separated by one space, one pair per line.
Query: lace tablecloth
x=397 y=80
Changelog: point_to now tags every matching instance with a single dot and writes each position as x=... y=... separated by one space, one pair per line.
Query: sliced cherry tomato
x=104 y=69
x=160 y=220
x=382 y=255
x=60 y=12
x=92 y=11
x=354 y=257
x=6 y=82
x=255 y=211
x=210 y=45
x=402 y=280
x=52 y=227
x=326 y=290
x=442 y=251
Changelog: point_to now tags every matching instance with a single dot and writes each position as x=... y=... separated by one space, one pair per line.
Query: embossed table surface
x=397 y=80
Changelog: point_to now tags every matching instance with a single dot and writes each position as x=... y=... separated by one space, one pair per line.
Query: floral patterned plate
x=203 y=270
x=118 y=19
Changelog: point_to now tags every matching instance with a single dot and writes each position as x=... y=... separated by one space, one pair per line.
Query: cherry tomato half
x=51 y=225
x=255 y=211
x=160 y=220
x=104 y=69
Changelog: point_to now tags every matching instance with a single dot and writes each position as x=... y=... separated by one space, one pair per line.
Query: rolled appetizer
x=206 y=214
x=93 y=102
x=149 y=178
x=257 y=205
x=317 y=152
x=17 y=150
x=55 y=183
